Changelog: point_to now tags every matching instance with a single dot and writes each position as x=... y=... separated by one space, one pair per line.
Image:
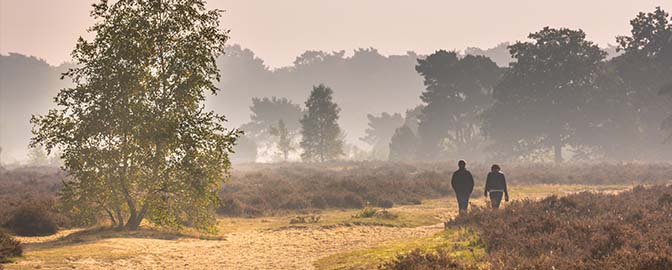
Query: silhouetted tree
x=403 y=144
x=285 y=139
x=135 y=136
x=645 y=67
x=380 y=131
x=542 y=95
x=412 y=118
x=457 y=91
x=321 y=134
x=266 y=112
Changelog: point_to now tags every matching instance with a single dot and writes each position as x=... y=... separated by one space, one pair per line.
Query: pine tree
x=319 y=127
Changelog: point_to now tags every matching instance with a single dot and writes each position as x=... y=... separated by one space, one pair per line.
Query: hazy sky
x=280 y=30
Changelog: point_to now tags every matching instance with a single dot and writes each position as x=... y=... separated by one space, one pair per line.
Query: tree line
x=560 y=98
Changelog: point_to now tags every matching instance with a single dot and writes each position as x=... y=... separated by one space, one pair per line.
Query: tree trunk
x=558 y=152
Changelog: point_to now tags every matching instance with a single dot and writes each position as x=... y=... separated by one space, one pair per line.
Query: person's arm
x=452 y=182
x=506 y=191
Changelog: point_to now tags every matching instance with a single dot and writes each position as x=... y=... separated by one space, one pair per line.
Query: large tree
x=457 y=91
x=539 y=101
x=134 y=134
x=645 y=67
x=322 y=139
x=380 y=131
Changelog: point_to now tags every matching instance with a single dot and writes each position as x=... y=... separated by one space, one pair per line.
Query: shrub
x=386 y=203
x=631 y=230
x=420 y=260
x=31 y=221
x=375 y=213
x=305 y=219
x=9 y=247
x=366 y=213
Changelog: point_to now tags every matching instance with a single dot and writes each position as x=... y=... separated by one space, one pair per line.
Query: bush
x=420 y=260
x=375 y=213
x=631 y=230
x=9 y=247
x=31 y=221
x=386 y=203
x=305 y=219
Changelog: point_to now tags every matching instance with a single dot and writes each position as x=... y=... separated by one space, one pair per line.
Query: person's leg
x=495 y=199
x=462 y=201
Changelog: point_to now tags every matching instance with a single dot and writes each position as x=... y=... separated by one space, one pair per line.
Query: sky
x=278 y=31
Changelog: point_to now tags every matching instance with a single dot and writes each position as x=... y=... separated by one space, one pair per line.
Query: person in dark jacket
x=463 y=185
x=495 y=184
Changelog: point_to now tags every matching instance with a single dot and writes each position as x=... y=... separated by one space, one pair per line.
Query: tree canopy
x=540 y=100
x=133 y=131
x=457 y=91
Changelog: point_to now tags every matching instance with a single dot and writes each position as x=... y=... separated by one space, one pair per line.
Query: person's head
x=495 y=168
x=462 y=164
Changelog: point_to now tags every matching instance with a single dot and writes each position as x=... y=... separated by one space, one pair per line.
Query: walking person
x=495 y=184
x=463 y=185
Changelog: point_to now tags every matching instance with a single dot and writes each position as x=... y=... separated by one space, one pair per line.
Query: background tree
x=133 y=131
x=645 y=67
x=457 y=91
x=322 y=140
x=540 y=100
x=403 y=144
x=667 y=123
x=266 y=112
x=380 y=131
x=284 y=139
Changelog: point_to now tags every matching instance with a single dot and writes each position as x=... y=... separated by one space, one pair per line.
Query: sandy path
x=280 y=249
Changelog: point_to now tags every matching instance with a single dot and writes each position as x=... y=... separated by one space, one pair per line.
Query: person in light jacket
x=495 y=185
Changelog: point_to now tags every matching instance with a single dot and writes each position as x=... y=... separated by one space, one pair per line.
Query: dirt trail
x=279 y=249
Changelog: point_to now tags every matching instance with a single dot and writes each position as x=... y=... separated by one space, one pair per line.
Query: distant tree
x=321 y=134
x=266 y=112
x=540 y=100
x=667 y=123
x=284 y=137
x=645 y=67
x=135 y=137
x=380 y=131
x=403 y=144
x=457 y=91
x=499 y=54
x=412 y=118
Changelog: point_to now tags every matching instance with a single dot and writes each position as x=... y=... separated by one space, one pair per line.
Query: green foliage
x=457 y=91
x=322 y=139
x=540 y=100
x=134 y=134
